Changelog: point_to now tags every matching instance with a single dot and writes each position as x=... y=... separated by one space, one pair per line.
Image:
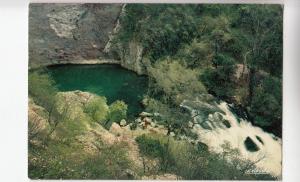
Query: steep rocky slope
x=92 y=137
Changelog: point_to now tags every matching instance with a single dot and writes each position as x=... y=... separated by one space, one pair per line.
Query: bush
x=41 y=88
x=175 y=80
x=97 y=109
x=149 y=146
x=219 y=80
x=117 y=111
x=157 y=147
x=266 y=106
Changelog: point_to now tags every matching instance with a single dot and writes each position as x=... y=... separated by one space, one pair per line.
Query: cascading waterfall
x=215 y=125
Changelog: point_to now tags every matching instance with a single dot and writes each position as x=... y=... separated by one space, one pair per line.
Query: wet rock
x=202 y=146
x=250 y=145
x=259 y=139
x=226 y=123
x=206 y=125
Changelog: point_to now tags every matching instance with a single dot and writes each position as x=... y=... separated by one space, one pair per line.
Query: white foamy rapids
x=236 y=135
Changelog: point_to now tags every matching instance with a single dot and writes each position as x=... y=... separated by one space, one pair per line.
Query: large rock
x=145 y=114
x=115 y=129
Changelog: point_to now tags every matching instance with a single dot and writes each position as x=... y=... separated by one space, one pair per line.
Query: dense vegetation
x=232 y=51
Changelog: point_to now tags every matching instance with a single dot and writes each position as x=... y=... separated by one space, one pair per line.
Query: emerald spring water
x=111 y=81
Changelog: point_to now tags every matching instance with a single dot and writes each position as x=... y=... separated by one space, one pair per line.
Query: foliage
x=219 y=80
x=156 y=146
x=160 y=28
x=266 y=106
x=149 y=146
x=44 y=93
x=173 y=118
x=196 y=54
x=41 y=88
x=117 y=111
x=97 y=109
x=175 y=80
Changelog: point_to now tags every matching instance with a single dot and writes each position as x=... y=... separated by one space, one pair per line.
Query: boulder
x=146 y=114
x=115 y=129
x=250 y=145
x=123 y=122
x=138 y=120
x=146 y=121
x=153 y=124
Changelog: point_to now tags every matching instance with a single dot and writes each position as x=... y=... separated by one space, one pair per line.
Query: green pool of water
x=111 y=81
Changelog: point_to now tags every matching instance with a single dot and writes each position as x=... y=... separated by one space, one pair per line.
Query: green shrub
x=219 y=79
x=97 y=109
x=117 y=111
x=175 y=80
x=149 y=146
x=41 y=88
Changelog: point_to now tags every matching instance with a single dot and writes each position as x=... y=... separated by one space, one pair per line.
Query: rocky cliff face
x=79 y=34
x=62 y=33
x=132 y=57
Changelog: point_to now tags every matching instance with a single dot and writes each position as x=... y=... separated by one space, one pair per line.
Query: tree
x=173 y=118
x=262 y=30
x=117 y=112
x=41 y=88
x=160 y=28
x=176 y=81
x=197 y=54
x=266 y=107
x=219 y=79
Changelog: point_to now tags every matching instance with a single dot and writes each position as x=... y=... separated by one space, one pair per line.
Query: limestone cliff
x=63 y=33
x=80 y=34
x=132 y=57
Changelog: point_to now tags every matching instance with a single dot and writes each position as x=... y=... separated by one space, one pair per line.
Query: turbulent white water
x=214 y=134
